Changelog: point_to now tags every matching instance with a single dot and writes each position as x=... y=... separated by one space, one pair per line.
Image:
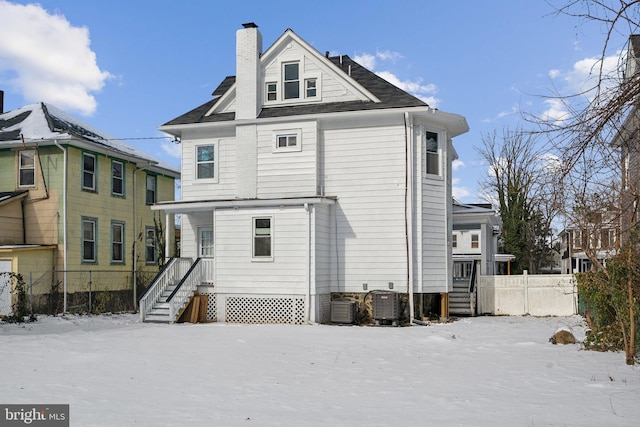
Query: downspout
x=64 y=223
x=308 y=290
x=408 y=214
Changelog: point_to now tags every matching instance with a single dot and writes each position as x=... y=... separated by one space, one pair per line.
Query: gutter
x=408 y=134
x=64 y=222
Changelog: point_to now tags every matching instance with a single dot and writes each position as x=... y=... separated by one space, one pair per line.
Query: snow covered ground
x=483 y=371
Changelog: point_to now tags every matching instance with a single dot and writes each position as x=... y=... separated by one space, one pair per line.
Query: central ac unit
x=386 y=307
x=343 y=312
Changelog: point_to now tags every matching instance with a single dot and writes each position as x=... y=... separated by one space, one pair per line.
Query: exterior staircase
x=462 y=299
x=170 y=292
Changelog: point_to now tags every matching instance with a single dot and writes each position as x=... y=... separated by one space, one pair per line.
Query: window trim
x=147 y=230
x=273 y=92
x=94 y=187
x=430 y=155
x=475 y=241
x=215 y=163
x=200 y=231
x=146 y=189
x=93 y=221
x=120 y=224
x=21 y=168
x=285 y=81
x=122 y=178
x=254 y=220
x=286 y=133
x=308 y=80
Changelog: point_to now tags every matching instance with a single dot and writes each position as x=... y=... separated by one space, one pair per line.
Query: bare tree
x=521 y=184
x=598 y=144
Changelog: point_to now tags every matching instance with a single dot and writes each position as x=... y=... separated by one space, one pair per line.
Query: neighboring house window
x=310 y=88
x=88 y=172
x=262 y=238
x=150 y=244
x=433 y=158
x=89 y=233
x=272 y=91
x=288 y=140
x=292 y=80
x=27 y=165
x=205 y=242
x=577 y=239
x=117 y=242
x=206 y=162
x=151 y=189
x=117 y=178
x=474 y=241
x=454 y=241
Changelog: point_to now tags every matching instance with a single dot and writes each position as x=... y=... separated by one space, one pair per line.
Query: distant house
x=580 y=245
x=474 y=242
x=75 y=205
x=306 y=179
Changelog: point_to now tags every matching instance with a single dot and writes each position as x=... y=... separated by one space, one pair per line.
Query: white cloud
x=48 y=59
x=457 y=164
x=367 y=60
x=425 y=92
x=556 y=112
x=172 y=149
x=584 y=73
x=458 y=192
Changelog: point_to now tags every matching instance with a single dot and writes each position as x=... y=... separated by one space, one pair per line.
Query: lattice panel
x=212 y=306
x=265 y=310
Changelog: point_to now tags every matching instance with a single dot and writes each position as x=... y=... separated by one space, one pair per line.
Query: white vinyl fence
x=537 y=295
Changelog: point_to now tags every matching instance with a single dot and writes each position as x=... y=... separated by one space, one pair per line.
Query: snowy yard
x=483 y=371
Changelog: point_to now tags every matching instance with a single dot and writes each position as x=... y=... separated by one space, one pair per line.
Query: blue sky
x=128 y=66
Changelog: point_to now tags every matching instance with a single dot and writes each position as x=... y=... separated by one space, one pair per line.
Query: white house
x=305 y=178
x=474 y=243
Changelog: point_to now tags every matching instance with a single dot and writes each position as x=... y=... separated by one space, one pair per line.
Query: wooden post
x=444 y=305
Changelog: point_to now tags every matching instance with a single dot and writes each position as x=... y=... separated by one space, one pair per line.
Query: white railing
x=208 y=266
x=171 y=274
x=185 y=289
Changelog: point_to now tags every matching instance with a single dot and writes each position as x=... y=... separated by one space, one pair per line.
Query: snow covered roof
x=44 y=123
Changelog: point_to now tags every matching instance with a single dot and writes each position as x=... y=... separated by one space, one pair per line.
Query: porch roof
x=176 y=207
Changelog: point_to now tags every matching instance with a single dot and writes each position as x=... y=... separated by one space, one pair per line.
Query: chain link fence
x=88 y=291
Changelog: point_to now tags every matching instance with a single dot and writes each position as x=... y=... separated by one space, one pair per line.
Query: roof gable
x=344 y=85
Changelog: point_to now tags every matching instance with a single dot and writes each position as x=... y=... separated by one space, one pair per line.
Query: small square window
x=272 y=91
x=310 y=88
x=287 y=140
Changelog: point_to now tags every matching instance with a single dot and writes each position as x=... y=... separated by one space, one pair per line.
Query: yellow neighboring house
x=75 y=217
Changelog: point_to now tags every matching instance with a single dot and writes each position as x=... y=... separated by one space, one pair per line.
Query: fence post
x=90 y=277
x=31 y=293
x=525 y=279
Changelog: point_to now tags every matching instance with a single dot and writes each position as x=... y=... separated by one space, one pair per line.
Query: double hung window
x=27 y=166
x=432 y=156
x=88 y=172
x=262 y=238
x=205 y=161
x=89 y=240
x=117 y=178
x=291 y=80
x=117 y=242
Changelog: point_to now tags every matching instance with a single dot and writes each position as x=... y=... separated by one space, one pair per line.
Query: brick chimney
x=248 y=76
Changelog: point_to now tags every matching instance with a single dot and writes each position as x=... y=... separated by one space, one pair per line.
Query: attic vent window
x=292 y=80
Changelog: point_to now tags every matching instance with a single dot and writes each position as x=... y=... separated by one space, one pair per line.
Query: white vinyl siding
x=287 y=171
x=224 y=186
x=236 y=271
x=365 y=168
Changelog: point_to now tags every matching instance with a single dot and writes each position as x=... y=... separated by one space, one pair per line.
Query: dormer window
x=292 y=80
